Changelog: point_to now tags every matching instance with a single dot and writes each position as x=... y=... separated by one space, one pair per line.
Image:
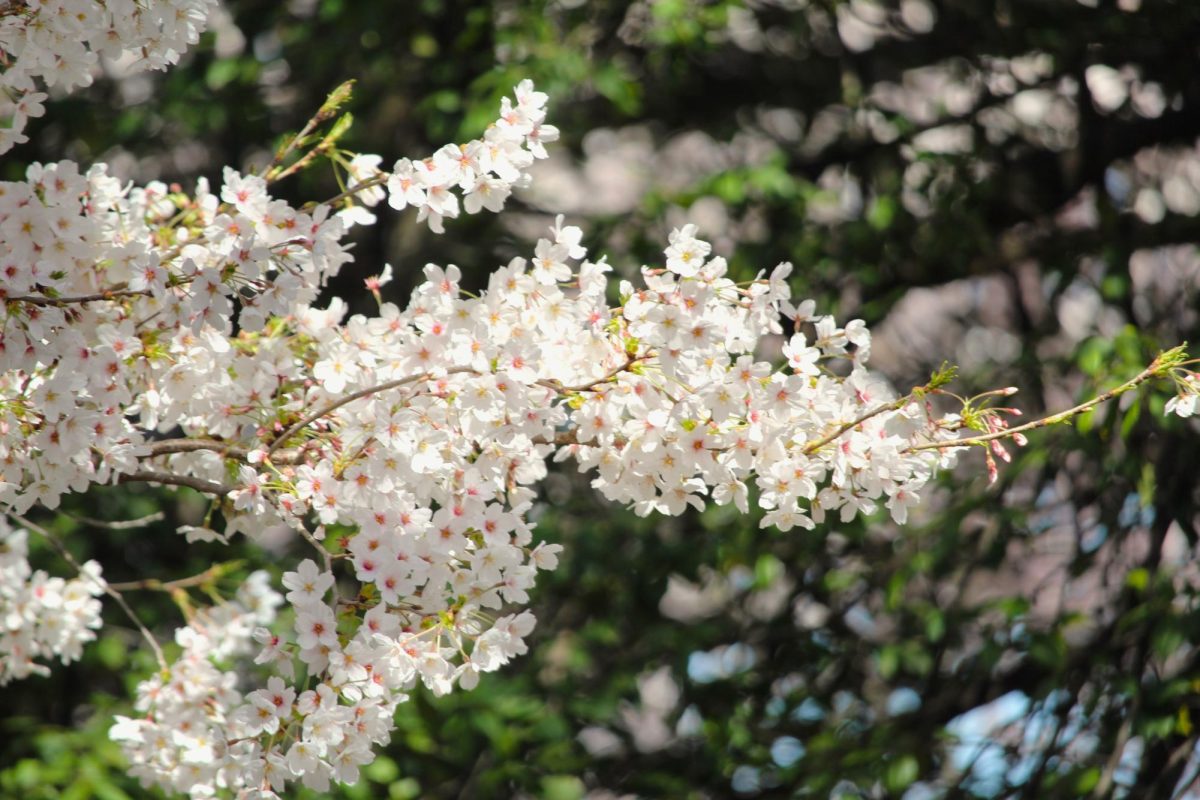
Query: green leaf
x=336 y=99
x=1093 y=355
x=111 y=651
x=1049 y=649
x=889 y=661
x=221 y=73
x=405 y=789
x=917 y=659
x=615 y=84
x=1138 y=579
x=562 y=787
x=1114 y=287
x=881 y=213
x=935 y=625
x=382 y=770
x=1130 y=419
x=901 y=773
x=767 y=570
x=27 y=773
x=1183 y=722
x=108 y=791
x=339 y=129
x=1087 y=780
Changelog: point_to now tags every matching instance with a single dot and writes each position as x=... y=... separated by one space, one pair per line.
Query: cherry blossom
x=176 y=339
x=42 y=616
x=60 y=44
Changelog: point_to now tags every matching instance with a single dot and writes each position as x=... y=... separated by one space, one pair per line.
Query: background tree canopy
x=1010 y=186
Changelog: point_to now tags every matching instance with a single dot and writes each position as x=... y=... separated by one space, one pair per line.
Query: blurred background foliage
x=1013 y=186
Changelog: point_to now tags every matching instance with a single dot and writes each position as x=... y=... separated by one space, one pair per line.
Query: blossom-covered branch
x=133 y=314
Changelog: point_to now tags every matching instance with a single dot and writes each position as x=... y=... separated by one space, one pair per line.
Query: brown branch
x=156 y=585
x=326 y=556
x=168 y=446
x=334 y=405
x=1105 y=785
x=225 y=449
x=119 y=525
x=813 y=447
x=276 y=454
x=43 y=300
x=295 y=143
x=369 y=183
x=171 y=479
x=564 y=439
x=586 y=387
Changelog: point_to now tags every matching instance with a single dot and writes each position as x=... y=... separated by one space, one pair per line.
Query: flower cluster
x=181 y=739
x=120 y=306
x=154 y=336
x=484 y=170
x=41 y=616
x=58 y=44
x=84 y=379
x=420 y=433
x=416 y=435
x=198 y=734
x=690 y=412
x=76 y=371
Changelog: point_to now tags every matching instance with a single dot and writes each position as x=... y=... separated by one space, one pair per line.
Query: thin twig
x=169 y=446
x=334 y=405
x=565 y=439
x=1105 y=784
x=369 y=183
x=171 y=479
x=1151 y=371
x=225 y=449
x=1185 y=782
x=107 y=589
x=590 y=385
x=277 y=161
x=813 y=447
x=42 y=300
x=302 y=163
x=156 y=585
x=118 y=525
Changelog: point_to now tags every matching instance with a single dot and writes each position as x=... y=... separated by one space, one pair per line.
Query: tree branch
x=226 y=449
x=154 y=584
x=119 y=525
x=334 y=405
x=171 y=479
x=44 y=300
x=1155 y=370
